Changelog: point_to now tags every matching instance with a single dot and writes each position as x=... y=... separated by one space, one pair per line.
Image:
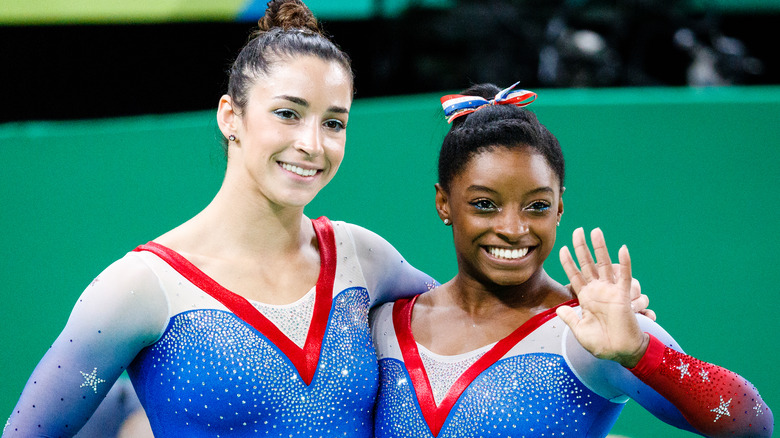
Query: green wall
x=685 y=177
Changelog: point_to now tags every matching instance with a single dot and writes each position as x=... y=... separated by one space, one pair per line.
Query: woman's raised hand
x=607 y=327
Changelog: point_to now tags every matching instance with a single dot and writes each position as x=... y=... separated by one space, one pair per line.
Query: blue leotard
x=540 y=382
x=206 y=363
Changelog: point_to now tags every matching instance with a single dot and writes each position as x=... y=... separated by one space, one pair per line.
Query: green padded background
x=685 y=177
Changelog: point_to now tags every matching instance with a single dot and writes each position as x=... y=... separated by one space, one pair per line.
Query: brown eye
x=539 y=206
x=484 y=205
x=286 y=114
x=335 y=124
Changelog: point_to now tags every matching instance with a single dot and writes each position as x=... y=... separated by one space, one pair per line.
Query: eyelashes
x=289 y=114
x=486 y=205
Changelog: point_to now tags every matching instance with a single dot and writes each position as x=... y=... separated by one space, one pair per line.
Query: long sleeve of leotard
x=122 y=311
x=677 y=388
x=714 y=400
x=388 y=275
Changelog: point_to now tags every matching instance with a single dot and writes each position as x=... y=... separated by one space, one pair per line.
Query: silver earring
x=232 y=137
x=446 y=221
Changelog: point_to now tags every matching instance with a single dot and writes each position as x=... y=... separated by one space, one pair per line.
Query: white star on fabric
x=759 y=409
x=683 y=369
x=722 y=409
x=91 y=380
x=705 y=375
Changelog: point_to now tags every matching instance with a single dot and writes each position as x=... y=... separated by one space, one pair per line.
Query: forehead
x=501 y=167
x=308 y=77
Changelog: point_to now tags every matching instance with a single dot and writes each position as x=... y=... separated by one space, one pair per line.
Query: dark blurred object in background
x=91 y=71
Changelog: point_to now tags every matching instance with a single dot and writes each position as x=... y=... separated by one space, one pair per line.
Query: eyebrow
x=478 y=188
x=305 y=103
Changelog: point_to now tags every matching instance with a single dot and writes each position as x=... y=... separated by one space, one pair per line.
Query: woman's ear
x=442 y=204
x=227 y=119
x=560 y=205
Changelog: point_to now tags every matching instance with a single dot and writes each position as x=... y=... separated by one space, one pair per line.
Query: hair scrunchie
x=456 y=105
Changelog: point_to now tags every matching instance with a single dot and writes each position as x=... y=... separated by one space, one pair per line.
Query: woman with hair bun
x=502 y=349
x=250 y=318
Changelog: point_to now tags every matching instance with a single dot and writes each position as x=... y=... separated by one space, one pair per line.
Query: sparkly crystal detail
x=683 y=369
x=533 y=395
x=91 y=380
x=722 y=409
x=212 y=374
x=292 y=319
x=443 y=371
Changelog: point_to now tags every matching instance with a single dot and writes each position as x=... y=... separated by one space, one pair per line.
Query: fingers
x=575 y=276
x=604 y=264
x=568 y=315
x=640 y=303
x=625 y=269
x=649 y=313
x=636 y=288
x=587 y=266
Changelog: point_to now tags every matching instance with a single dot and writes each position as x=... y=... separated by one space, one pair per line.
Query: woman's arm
x=388 y=275
x=122 y=311
x=715 y=401
x=676 y=388
x=710 y=399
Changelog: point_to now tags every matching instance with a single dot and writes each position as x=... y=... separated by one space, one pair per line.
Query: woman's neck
x=478 y=297
x=235 y=221
x=465 y=314
x=262 y=253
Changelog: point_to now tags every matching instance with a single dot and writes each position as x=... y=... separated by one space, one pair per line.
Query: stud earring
x=232 y=137
x=446 y=221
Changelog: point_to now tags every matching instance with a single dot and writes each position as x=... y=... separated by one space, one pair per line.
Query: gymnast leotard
x=206 y=362
x=540 y=382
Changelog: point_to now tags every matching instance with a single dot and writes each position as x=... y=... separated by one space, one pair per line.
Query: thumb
x=568 y=315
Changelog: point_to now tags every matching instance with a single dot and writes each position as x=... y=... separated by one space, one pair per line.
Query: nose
x=309 y=140
x=510 y=225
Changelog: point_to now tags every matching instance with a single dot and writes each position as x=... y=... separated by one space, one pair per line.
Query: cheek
x=467 y=232
x=335 y=152
x=547 y=230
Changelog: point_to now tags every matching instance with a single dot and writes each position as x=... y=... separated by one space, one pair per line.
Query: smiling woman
x=249 y=318
x=502 y=349
x=288 y=138
x=507 y=205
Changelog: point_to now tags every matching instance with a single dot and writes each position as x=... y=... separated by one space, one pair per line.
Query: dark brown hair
x=288 y=29
x=493 y=126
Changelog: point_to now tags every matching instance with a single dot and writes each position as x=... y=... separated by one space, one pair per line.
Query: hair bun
x=288 y=14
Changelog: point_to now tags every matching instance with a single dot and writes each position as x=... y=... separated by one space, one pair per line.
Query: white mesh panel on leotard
x=292 y=319
x=443 y=371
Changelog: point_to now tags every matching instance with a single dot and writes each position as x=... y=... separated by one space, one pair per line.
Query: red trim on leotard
x=304 y=359
x=435 y=416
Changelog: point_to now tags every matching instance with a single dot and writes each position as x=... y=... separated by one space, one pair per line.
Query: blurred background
x=668 y=113
x=65 y=59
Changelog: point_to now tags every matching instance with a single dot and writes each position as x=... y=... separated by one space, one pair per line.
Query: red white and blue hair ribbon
x=456 y=105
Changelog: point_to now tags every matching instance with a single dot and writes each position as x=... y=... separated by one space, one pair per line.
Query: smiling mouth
x=507 y=254
x=298 y=170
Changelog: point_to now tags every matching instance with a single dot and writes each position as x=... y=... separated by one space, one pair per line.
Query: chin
x=296 y=199
x=509 y=278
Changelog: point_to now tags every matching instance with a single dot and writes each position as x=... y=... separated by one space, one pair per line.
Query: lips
x=507 y=253
x=298 y=170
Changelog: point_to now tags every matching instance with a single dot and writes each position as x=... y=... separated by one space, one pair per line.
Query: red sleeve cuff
x=652 y=358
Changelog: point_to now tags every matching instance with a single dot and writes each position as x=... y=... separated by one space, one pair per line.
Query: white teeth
x=510 y=254
x=298 y=171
